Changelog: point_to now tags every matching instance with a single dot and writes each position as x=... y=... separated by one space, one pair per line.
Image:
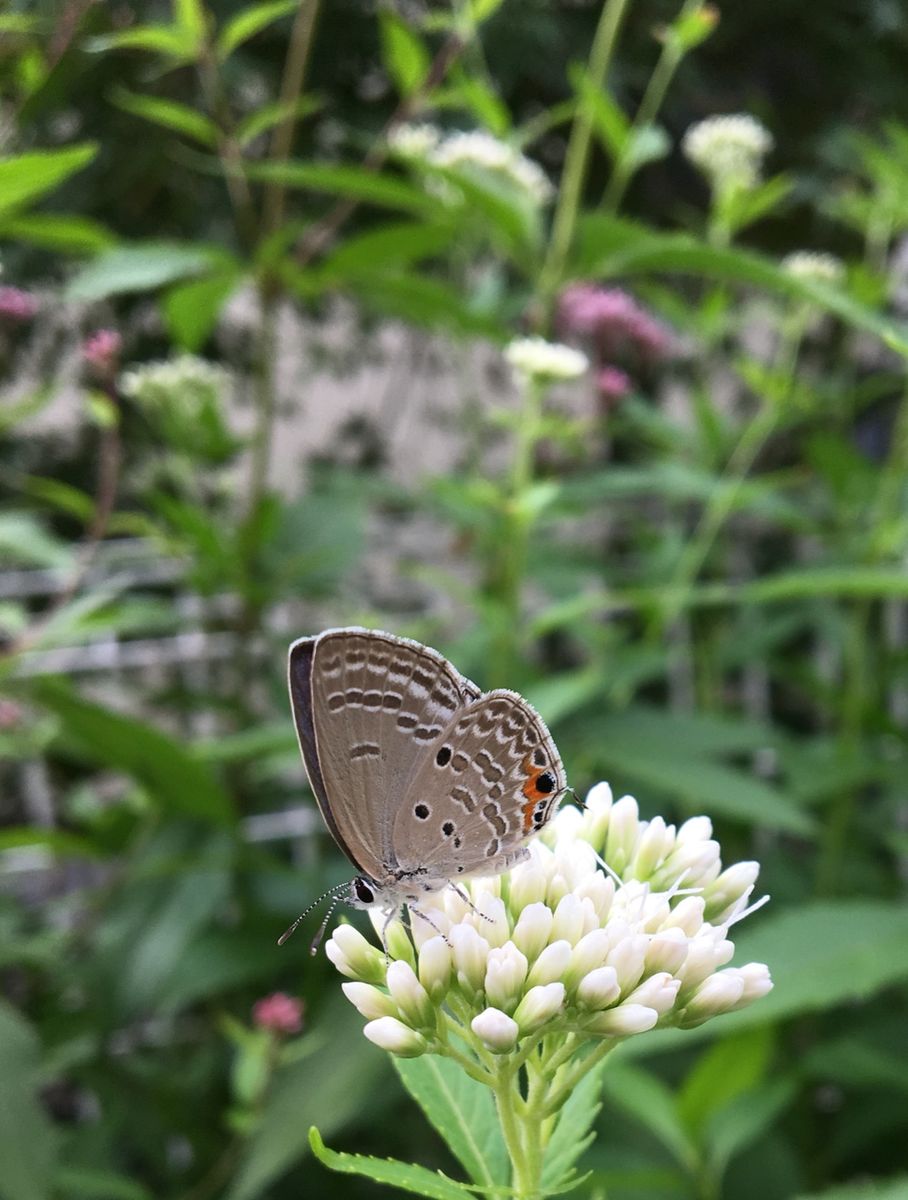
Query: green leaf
x=170 y=114
x=159 y=39
x=404 y=55
x=63 y=232
x=391 y=245
x=357 y=183
x=250 y=21
x=139 y=268
x=648 y=1100
x=732 y=1067
x=573 y=1132
x=462 y=1111
x=745 y=1119
x=26 y=177
x=29 y=1144
x=344 y=1077
x=269 y=115
x=191 y=310
x=612 y=246
x=94 y=1184
x=609 y=122
x=407 y=1177
x=176 y=780
x=189 y=16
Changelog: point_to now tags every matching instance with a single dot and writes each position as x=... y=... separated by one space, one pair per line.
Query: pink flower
x=17 y=305
x=613 y=320
x=101 y=350
x=10 y=714
x=613 y=384
x=278 y=1012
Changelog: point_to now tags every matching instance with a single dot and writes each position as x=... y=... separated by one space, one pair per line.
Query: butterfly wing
x=367 y=706
x=490 y=780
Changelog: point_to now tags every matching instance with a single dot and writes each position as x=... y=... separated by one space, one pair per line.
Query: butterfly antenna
x=580 y=804
x=332 y=892
x=317 y=940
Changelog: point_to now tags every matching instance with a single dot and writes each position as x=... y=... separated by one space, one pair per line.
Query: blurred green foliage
x=702 y=585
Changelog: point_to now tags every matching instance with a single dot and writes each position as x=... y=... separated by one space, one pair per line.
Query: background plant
x=692 y=559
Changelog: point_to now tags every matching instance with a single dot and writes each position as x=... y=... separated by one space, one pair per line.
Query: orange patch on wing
x=531 y=792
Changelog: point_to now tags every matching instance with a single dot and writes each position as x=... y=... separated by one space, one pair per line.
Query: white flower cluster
x=728 y=150
x=815 y=266
x=163 y=381
x=472 y=151
x=557 y=946
x=535 y=358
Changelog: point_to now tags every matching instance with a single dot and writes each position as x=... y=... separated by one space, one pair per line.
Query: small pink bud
x=279 y=1013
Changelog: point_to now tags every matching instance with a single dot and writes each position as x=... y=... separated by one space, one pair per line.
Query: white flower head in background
x=728 y=150
x=814 y=266
x=186 y=379
x=536 y=359
x=483 y=152
x=414 y=140
x=557 y=946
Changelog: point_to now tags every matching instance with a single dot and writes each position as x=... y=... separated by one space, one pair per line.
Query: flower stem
x=526 y=1174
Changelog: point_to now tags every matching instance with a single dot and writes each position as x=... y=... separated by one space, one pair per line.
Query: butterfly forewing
x=491 y=779
x=378 y=703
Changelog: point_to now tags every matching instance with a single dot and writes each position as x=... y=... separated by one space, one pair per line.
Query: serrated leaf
x=250 y=21
x=26 y=177
x=170 y=114
x=573 y=1132
x=408 y=1177
x=462 y=1111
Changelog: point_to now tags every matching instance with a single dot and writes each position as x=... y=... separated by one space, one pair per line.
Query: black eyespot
x=545 y=782
x=421 y=811
x=539 y=757
x=460 y=870
x=448 y=828
x=457 y=843
x=362 y=891
x=538 y=816
x=443 y=757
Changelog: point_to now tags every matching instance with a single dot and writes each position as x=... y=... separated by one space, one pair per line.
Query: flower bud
x=354 y=956
x=687 y=915
x=391 y=1034
x=539 y=1005
x=528 y=885
x=369 y=1001
x=734 y=885
x=426 y=926
x=568 y=923
x=491 y=919
x=397 y=939
x=655 y=843
x=551 y=964
x=628 y=958
x=667 y=950
x=410 y=996
x=704 y=954
x=623 y=828
x=589 y=953
x=658 y=992
x=719 y=993
x=496 y=1030
x=623 y=1021
x=469 y=952
x=435 y=967
x=599 y=889
x=506 y=972
x=695 y=829
x=599 y=988
x=533 y=928
x=693 y=862
x=757 y=982
x=598 y=814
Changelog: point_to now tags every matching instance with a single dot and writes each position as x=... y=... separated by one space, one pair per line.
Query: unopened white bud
x=496 y=1030
x=569 y=917
x=391 y=1034
x=693 y=863
x=695 y=829
x=539 y=1005
x=704 y=954
x=599 y=988
x=667 y=950
x=623 y=828
x=491 y=919
x=369 y=1001
x=551 y=964
x=589 y=953
x=623 y=1021
x=470 y=953
x=410 y=996
x=598 y=813
x=687 y=915
x=354 y=956
x=654 y=844
x=506 y=972
x=628 y=958
x=599 y=889
x=757 y=982
x=528 y=885
x=435 y=966
x=732 y=886
x=533 y=929
x=719 y=993
x=658 y=992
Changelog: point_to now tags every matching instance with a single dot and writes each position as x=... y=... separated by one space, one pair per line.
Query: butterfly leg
x=465 y=896
x=418 y=912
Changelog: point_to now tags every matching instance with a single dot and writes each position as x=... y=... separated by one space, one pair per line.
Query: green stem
x=525 y=1177
x=660 y=81
x=265 y=401
x=577 y=155
x=558 y=1094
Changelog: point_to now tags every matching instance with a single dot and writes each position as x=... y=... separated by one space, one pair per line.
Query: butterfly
x=420 y=776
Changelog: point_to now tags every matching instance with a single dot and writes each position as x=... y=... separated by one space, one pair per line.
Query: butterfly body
x=420 y=776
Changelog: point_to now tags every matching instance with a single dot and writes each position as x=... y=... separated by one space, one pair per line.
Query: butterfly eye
x=363 y=892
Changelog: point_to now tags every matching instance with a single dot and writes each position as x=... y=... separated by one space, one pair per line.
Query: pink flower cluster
x=616 y=328
x=278 y=1013
x=101 y=350
x=17 y=305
